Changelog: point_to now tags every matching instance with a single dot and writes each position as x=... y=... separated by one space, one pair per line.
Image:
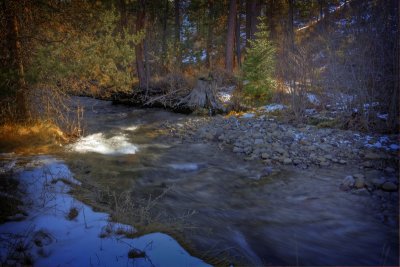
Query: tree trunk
x=253 y=19
x=147 y=64
x=326 y=13
x=230 y=36
x=164 y=36
x=271 y=19
x=140 y=25
x=290 y=23
x=178 y=34
x=248 y=21
x=210 y=34
x=321 y=14
x=238 y=39
x=15 y=56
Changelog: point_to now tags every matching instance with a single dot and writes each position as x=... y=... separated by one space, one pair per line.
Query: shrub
x=259 y=66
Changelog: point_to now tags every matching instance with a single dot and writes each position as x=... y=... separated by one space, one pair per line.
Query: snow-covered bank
x=50 y=235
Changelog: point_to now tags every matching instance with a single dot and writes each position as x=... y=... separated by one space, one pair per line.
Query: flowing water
x=293 y=217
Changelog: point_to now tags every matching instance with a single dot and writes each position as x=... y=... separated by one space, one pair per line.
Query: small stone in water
x=389 y=186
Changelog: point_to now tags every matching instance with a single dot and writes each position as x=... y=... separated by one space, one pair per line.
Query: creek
x=224 y=210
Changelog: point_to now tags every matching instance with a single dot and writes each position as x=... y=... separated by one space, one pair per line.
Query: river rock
x=360 y=182
x=390 y=170
x=280 y=150
x=372 y=156
x=287 y=161
x=347 y=183
x=258 y=141
x=237 y=149
x=389 y=187
x=248 y=150
x=358 y=176
x=367 y=164
x=264 y=156
x=378 y=182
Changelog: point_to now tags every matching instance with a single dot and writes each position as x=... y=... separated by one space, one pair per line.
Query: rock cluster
x=276 y=142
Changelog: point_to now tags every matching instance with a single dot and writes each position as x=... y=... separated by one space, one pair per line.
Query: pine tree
x=259 y=66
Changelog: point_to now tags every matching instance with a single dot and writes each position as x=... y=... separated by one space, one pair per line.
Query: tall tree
x=230 y=36
x=251 y=20
x=255 y=12
x=248 y=21
x=11 y=9
x=178 y=33
x=140 y=25
x=290 y=27
x=164 y=33
x=238 y=38
x=210 y=35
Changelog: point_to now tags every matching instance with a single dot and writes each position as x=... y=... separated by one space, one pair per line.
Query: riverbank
x=246 y=189
x=373 y=159
x=51 y=227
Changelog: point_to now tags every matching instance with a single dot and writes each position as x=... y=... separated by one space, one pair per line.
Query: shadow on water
x=291 y=217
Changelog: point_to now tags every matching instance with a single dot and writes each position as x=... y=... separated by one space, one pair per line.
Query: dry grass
x=37 y=137
x=73 y=213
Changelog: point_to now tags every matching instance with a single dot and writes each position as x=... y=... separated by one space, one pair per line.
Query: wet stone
x=347 y=183
x=360 y=182
x=389 y=187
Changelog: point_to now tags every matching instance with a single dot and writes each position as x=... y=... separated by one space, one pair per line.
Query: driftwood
x=203 y=96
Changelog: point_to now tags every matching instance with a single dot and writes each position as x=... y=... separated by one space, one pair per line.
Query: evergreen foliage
x=103 y=56
x=259 y=66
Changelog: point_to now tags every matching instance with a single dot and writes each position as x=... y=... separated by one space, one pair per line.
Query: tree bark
x=164 y=36
x=178 y=33
x=146 y=62
x=210 y=34
x=140 y=25
x=248 y=21
x=253 y=18
x=15 y=56
x=321 y=14
x=290 y=23
x=238 y=38
x=230 y=36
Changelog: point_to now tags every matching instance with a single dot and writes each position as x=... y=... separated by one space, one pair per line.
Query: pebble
x=347 y=183
x=389 y=187
x=287 y=161
x=360 y=182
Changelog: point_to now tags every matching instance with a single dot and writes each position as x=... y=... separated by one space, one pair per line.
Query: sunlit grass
x=37 y=137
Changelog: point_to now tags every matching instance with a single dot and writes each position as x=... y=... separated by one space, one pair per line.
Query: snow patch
x=248 y=116
x=78 y=241
x=382 y=116
x=98 y=143
x=224 y=96
x=382 y=142
x=313 y=99
x=274 y=107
